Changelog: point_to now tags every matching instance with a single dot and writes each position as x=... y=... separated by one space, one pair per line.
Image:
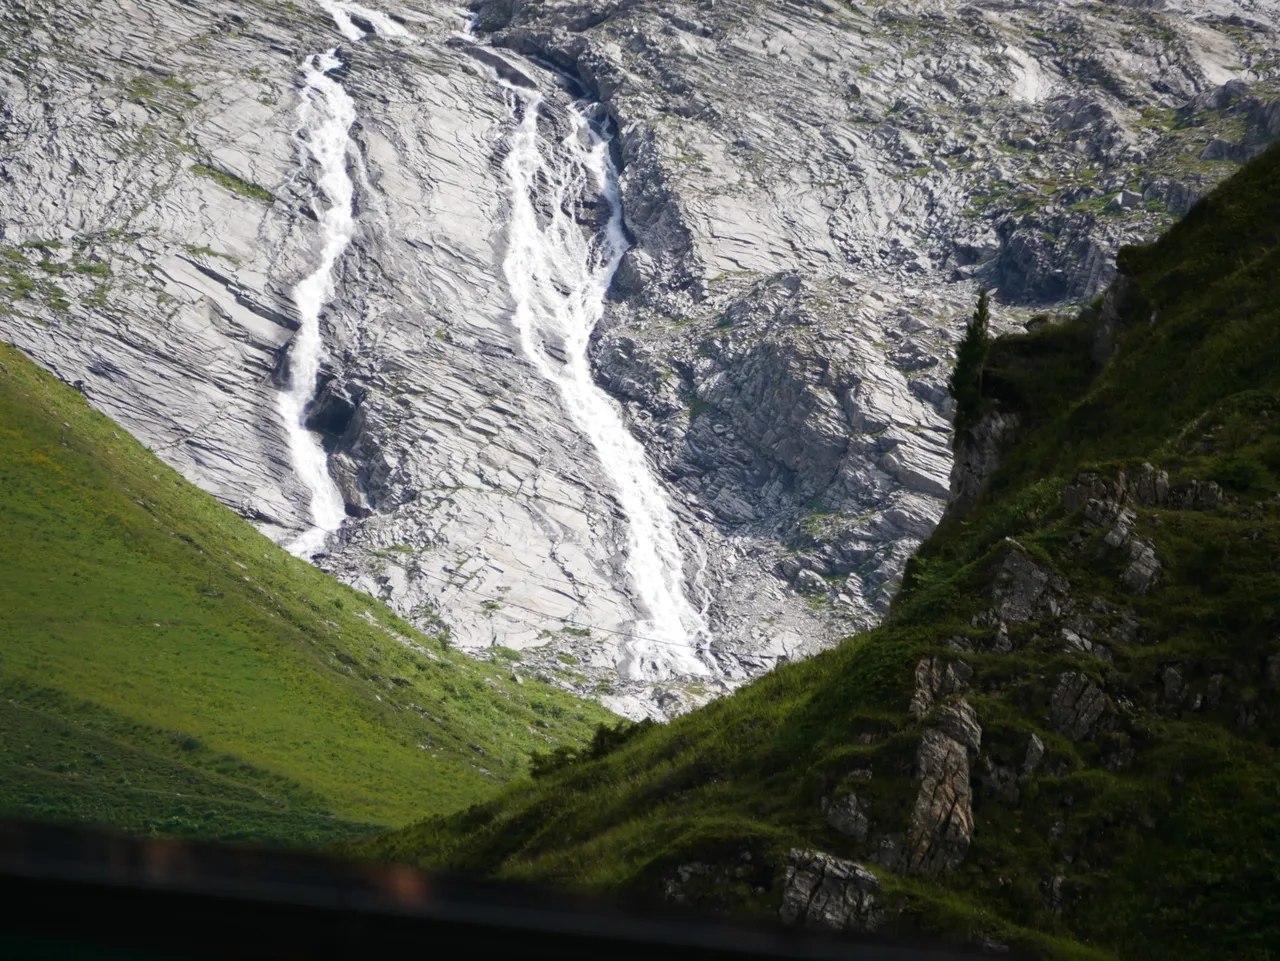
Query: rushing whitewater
x=325 y=116
x=558 y=276
x=345 y=14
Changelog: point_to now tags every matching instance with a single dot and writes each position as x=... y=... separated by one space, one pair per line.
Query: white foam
x=343 y=14
x=558 y=276
x=325 y=116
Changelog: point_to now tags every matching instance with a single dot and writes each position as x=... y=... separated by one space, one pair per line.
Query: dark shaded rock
x=942 y=818
x=1001 y=781
x=826 y=892
x=1076 y=705
x=1021 y=588
x=977 y=455
x=937 y=678
x=1035 y=754
x=1143 y=569
x=1116 y=306
x=847 y=814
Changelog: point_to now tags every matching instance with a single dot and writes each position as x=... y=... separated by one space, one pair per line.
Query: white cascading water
x=325 y=116
x=558 y=277
x=344 y=12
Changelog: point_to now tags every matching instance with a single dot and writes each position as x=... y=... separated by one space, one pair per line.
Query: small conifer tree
x=966 y=379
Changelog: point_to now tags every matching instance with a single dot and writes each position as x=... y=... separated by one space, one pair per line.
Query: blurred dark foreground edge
x=67 y=893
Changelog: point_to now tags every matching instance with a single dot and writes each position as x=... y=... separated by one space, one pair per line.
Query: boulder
x=827 y=892
x=847 y=813
x=942 y=818
x=1076 y=705
x=937 y=677
x=1143 y=569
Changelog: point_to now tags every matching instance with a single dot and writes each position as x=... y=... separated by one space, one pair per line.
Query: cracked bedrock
x=812 y=194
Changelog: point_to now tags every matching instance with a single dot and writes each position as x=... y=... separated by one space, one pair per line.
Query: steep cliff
x=213 y=212
x=1064 y=737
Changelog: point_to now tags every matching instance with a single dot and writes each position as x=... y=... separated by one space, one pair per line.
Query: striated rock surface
x=1076 y=705
x=937 y=677
x=828 y=892
x=942 y=818
x=811 y=192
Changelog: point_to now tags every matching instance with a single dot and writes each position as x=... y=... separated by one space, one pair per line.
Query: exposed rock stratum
x=801 y=199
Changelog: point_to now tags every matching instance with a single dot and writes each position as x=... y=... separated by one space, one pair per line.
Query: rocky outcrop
x=941 y=826
x=827 y=892
x=942 y=818
x=1106 y=504
x=1116 y=305
x=1024 y=589
x=847 y=814
x=977 y=455
x=1076 y=705
x=937 y=678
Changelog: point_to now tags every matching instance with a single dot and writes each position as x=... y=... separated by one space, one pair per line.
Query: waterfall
x=343 y=14
x=325 y=115
x=558 y=276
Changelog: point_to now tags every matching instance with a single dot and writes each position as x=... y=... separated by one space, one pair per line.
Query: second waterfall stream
x=559 y=275
x=326 y=113
x=325 y=117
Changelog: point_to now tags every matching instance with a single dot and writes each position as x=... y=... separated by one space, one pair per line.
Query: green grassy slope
x=163 y=667
x=1156 y=834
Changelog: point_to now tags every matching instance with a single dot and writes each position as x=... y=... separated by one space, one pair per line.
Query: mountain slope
x=812 y=190
x=1064 y=736
x=164 y=667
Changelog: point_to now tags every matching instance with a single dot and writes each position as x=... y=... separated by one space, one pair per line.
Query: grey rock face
x=847 y=814
x=977 y=455
x=1035 y=754
x=828 y=892
x=813 y=192
x=1076 y=705
x=942 y=819
x=755 y=274
x=166 y=291
x=937 y=678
